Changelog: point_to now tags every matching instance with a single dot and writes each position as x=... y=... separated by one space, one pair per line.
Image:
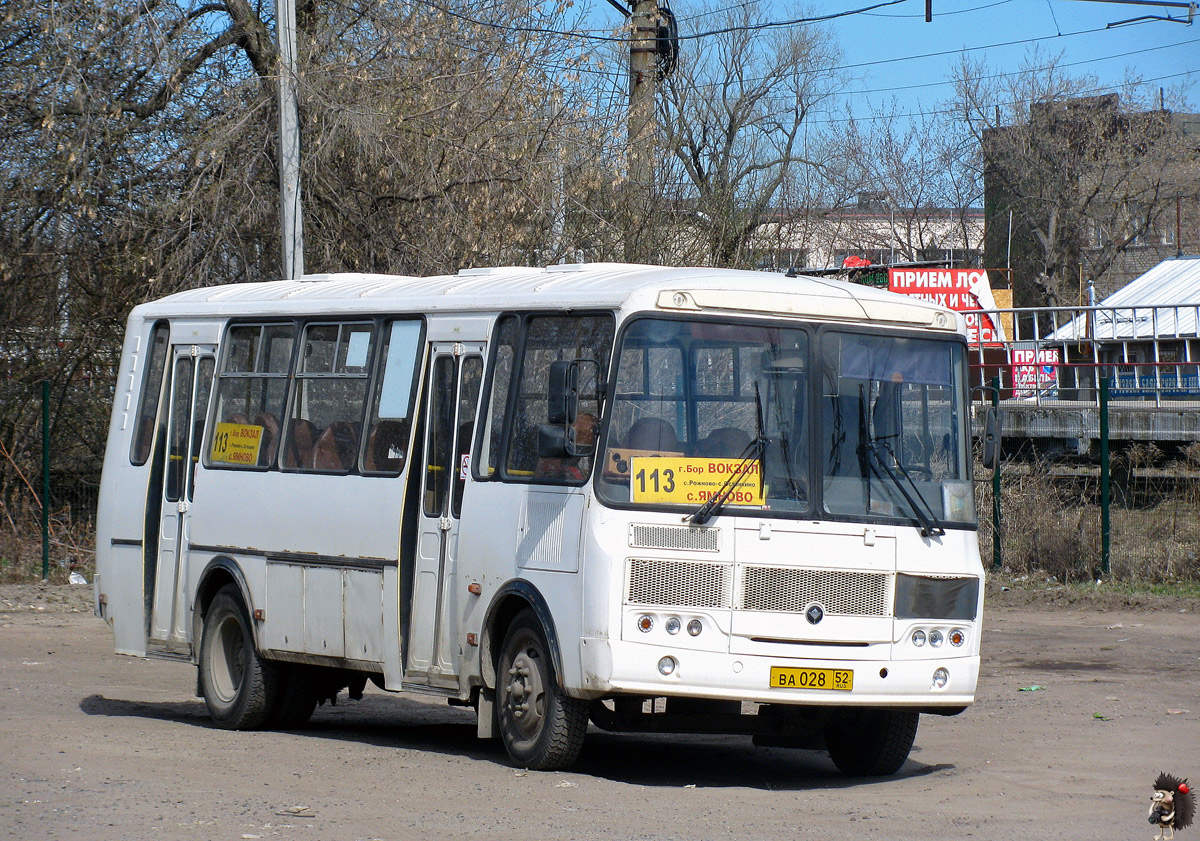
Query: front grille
x=675 y=537
x=792 y=590
x=679 y=583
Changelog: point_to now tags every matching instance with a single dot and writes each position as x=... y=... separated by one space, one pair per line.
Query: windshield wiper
x=922 y=511
x=751 y=455
x=930 y=524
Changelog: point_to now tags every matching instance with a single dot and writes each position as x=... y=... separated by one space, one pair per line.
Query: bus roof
x=573 y=286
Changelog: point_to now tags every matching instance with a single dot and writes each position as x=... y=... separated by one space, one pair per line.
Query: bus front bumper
x=621 y=668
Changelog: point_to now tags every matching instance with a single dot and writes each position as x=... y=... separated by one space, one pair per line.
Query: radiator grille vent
x=792 y=590
x=679 y=583
x=675 y=537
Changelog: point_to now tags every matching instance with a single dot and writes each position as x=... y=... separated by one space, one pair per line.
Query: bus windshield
x=835 y=424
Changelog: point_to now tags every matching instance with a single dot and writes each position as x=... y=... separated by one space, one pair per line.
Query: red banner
x=966 y=290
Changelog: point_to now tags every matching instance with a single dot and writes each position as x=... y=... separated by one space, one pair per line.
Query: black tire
x=240 y=688
x=871 y=743
x=542 y=728
x=297 y=697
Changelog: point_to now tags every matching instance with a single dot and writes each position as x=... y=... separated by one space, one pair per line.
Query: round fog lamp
x=645 y=623
x=957 y=637
x=695 y=627
x=940 y=678
x=666 y=666
x=672 y=625
x=918 y=638
x=935 y=638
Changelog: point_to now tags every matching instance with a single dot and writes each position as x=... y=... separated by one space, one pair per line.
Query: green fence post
x=996 y=560
x=45 y=479
x=1105 y=517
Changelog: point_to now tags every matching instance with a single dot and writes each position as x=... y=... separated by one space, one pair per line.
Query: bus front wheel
x=871 y=743
x=541 y=727
x=240 y=688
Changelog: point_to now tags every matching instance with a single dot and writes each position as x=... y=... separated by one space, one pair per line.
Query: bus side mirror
x=562 y=403
x=991 y=438
x=560 y=436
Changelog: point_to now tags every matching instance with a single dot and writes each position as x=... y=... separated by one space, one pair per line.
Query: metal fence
x=51 y=450
x=1101 y=410
x=1085 y=489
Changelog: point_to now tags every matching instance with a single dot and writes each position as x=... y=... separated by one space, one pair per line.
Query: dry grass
x=72 y=546
x=1052 y=527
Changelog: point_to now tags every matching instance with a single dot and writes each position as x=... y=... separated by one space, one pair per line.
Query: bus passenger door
x=451 y=398
x=188 y=390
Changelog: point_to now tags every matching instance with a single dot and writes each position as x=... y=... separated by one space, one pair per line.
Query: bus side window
x=251 y=384
x=491 y=438
x=330 y=394
x=155 y=365
x=392 y=403
x=548 y=339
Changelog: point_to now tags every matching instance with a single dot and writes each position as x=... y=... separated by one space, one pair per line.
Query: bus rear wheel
x=871 y=743
x=240 y=688
x=541 y=727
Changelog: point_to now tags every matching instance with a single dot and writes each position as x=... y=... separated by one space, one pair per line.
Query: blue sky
x=893 y=52
x=1154 y=50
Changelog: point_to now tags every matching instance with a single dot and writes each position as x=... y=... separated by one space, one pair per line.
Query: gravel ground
x=101 y=746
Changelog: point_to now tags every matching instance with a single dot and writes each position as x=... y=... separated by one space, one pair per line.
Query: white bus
x=655 y=499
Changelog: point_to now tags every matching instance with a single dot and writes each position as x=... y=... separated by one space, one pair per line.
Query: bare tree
x=138 y=157
x=918 y=172
x=1084 y=173
x=732 y=116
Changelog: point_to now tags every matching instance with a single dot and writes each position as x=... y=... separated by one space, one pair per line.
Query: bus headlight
x=666 y=666
x=940 y=678
x=936 y=639
x=695 y=627
x=918 y=638
x=672 y=625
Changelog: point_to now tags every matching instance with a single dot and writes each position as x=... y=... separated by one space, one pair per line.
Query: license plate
x=841 y=680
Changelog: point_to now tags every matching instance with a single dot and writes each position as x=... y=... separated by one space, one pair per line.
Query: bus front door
x=188 y=390
x=452 y=386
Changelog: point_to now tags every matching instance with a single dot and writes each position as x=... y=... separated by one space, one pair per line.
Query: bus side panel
x=511 y=530
x=301 y=539
x=121 y=509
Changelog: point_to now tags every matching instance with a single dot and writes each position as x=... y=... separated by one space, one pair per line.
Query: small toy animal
x=1172 y=807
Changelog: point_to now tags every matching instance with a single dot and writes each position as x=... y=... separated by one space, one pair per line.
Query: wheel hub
x=526 y=694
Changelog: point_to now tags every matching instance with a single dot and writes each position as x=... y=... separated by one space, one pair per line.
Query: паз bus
x=655 y=499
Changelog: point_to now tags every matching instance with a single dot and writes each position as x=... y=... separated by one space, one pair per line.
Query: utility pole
x=289 y=143
x=643 y=84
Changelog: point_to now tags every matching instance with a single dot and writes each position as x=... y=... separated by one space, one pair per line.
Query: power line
x=942 y=14
x=941 y=53
x=756 y=27
x=1033 y=69
x=1010 y=104
x=589 y=35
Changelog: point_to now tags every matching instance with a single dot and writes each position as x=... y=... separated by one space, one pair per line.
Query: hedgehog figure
x=1172 y=807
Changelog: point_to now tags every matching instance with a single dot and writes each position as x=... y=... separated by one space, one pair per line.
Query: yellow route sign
x=236 y=443
x=691 y=481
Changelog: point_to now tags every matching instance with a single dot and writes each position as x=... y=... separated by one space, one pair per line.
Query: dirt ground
x=99 y=746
